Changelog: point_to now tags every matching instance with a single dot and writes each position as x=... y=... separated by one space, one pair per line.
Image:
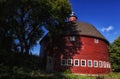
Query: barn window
x=69 y=62
x=72 y=38
x=83 y=62
x=95 y=63
x=76 y=62
x=100 y=64
x=89 y=63
x=107 y=64
x=96 y=40
x=104 y=64
x=63 y=62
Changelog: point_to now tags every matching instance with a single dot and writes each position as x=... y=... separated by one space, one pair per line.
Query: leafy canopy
x=21 y=20
x=115 y=54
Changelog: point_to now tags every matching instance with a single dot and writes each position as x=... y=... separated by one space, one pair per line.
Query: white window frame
x=104 y=64
x=72 y=38
x=77 y=61
x=100 y=64
x=82 y=63
x=95 y=65
x=62 y=62
x=109 y=65
x=68 y=62
x=96 y=40
x=89 y=64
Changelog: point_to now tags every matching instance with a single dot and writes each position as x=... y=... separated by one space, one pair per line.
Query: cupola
x=72 y=17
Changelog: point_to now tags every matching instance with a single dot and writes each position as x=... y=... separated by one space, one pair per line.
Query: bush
x=67 y=71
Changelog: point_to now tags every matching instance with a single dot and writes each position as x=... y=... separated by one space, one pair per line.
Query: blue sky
x=103 y=14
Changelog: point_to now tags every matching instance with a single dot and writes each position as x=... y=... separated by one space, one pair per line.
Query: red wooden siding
x=82 y=48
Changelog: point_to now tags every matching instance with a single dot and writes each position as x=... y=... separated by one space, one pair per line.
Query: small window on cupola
x=72 y=38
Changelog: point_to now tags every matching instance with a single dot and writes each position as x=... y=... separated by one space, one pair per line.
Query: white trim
x=95 y=63
x=107 y=63
x=72 y=38
x=100 y=64
x=77 y=61
x=89 y=64
x=96 y=40
x=82 y=63
x=68 y=62
x=62 y=62
x=104 y=64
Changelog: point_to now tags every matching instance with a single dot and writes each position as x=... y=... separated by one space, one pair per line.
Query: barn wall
x=83 y=48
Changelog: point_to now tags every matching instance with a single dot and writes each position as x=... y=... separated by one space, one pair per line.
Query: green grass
x=24 y=73
x=17 y=72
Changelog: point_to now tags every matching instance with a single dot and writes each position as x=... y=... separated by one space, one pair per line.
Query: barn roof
x=82 y=28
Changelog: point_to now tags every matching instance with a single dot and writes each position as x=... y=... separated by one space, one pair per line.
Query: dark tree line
x=114 y=50
x=21 y=21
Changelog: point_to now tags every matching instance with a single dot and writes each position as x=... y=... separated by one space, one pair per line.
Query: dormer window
x=96 y=40
x=72 y=38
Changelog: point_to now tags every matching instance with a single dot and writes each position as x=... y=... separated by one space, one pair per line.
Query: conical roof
x=82 y=28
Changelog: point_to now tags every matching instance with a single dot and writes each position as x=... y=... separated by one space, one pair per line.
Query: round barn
x=79 y=48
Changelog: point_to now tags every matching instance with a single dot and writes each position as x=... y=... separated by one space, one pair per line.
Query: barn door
x=50 y=64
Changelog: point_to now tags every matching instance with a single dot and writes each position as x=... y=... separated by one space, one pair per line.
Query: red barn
x=81 y=48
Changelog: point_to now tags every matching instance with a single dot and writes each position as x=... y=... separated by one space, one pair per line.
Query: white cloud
x=115 y=32
x=107 y=29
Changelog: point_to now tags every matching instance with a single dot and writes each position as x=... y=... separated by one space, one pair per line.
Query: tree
x=115 y=54
x=22 y=20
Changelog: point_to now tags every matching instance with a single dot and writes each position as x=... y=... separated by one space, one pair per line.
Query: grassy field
x=112 y=75
x=21 y=73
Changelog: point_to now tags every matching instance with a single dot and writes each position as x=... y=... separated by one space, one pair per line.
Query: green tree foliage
x=21 y=21
x=115 y=54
